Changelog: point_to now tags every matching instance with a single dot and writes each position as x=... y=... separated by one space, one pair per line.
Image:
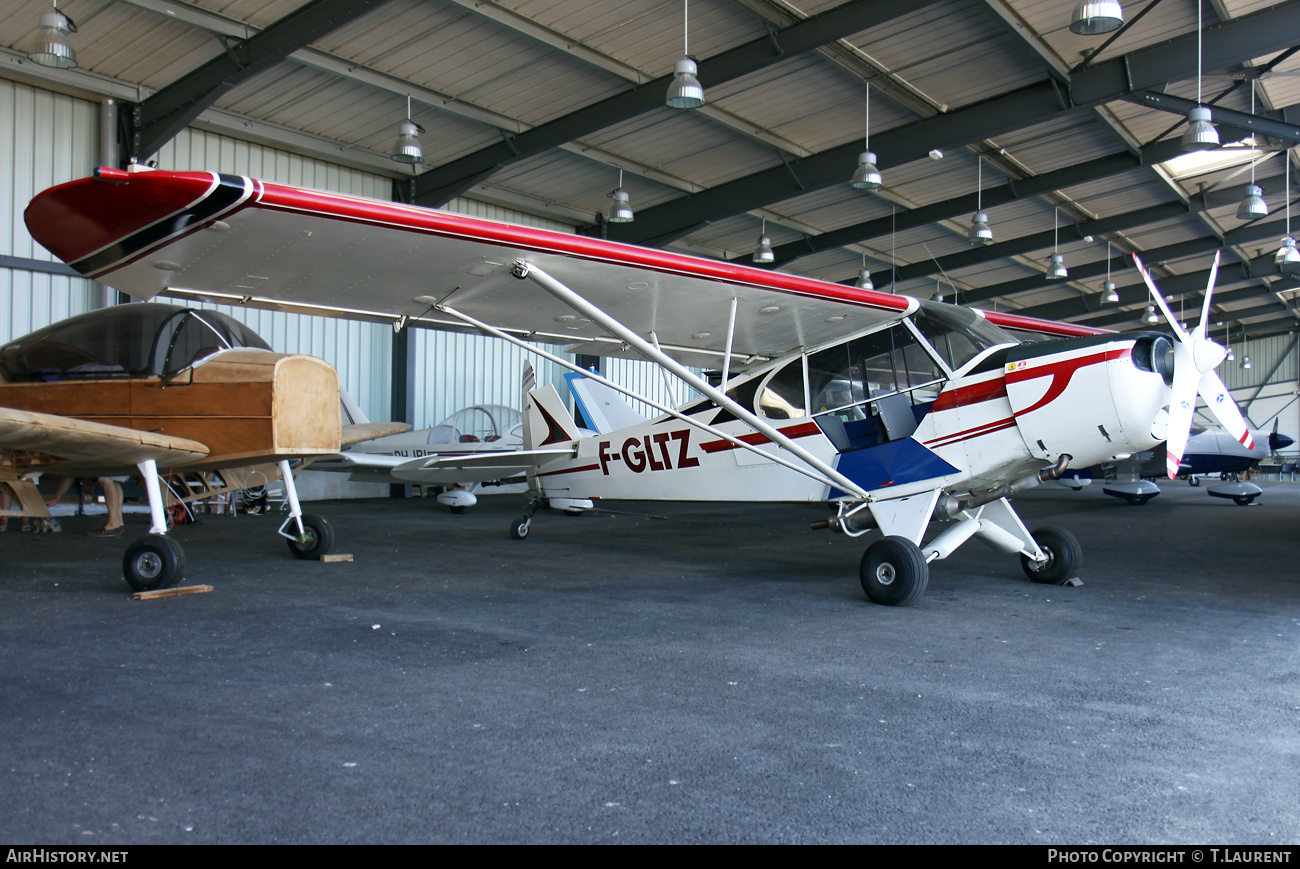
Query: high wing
x=240 y=240
x=357 y=432
x=70 y=446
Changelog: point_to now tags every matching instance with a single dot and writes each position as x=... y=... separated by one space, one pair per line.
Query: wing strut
x=564 y=363
x=527 y=270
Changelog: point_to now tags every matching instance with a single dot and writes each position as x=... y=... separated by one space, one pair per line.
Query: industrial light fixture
x=1056 y=266
x=1110 y=295
x=51 y=48
x=867 y=176
x=407 y=149
x=1094 y=17
x=1287 y=259
x=1201 y=133
x=621 y=210
x=864 y=276
x=980 y=232
x=1151 y=316
x=1253 y=206
x=1227 y=339
x=685 y=92
x=763 y=253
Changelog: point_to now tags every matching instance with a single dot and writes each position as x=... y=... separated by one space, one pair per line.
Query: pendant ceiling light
x=1151 y=316
x=867 y=176
x=621 y=210
x=1056 y=266
x=1200 y=131
x=407 y=149
x=1288 y=258
x=864 y=281
x=1094 y=17
x=763 y=253
x=51 y=48
x=685 y=92
x=1253 y=206
x=1227 y=340
x=980 y=232
x=1109 y=295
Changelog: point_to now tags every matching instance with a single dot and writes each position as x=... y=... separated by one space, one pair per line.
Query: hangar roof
x=1068 y=142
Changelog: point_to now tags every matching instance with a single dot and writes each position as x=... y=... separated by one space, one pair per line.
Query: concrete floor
x=715 y=676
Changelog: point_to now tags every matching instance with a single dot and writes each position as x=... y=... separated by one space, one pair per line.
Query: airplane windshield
x=123 y=341
x=957 y=334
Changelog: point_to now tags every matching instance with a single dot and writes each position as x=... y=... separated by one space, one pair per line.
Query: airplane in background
x=898 y=412
x=152 y=389
x=471 y=430
x=1210 y=450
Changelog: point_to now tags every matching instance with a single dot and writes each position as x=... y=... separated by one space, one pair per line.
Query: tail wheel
x=519 y=529
x=894 y=572
x=316 y=539
x=1064 y=557
x=153 y=562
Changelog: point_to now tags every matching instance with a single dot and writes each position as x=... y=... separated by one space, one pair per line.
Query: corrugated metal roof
x=482 y=71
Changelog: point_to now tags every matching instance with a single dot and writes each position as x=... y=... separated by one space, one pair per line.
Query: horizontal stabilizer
x=354 y=433
x=477 y=468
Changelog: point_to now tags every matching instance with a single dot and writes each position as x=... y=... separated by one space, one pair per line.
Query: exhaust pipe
x=949 y=506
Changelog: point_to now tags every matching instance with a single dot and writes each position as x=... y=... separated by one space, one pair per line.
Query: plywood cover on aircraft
x=241 y=404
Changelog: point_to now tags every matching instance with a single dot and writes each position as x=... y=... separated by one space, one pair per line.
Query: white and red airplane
x=900 y=413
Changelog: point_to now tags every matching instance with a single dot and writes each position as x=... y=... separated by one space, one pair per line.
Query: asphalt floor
x=714 y=676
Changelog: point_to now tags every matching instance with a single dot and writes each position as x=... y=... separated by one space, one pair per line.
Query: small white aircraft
x=474 y=430
x=900 y=413
x=1210 y=450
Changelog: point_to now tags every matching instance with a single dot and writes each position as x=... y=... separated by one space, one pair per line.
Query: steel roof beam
x=438 y=186
x=1233 y=41
x=1274 y=124
x=1034 y=185
x=157 y=119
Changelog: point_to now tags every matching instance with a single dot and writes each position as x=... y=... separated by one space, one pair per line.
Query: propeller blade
x=1160 y=300
x=1223 y=408
x=1202 y=328
x=1181 y=407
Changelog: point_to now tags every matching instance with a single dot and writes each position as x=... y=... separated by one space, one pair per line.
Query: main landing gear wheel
x=316 y=539
x=519 y=529
x=894 y=572
x=1064 y=557
x=153 y=562
x=1243 y=500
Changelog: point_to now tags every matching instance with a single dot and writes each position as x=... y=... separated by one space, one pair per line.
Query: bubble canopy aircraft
x=142 y=387
x=897 y=412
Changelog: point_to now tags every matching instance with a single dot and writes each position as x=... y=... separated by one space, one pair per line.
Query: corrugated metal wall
x=45 y=139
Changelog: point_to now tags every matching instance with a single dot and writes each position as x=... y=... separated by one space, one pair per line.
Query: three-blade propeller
x=1195 y=358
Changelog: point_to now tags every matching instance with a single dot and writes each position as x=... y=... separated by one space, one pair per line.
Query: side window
x=844 y=377
x=782 y=396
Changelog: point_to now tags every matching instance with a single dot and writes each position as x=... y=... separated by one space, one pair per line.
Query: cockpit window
x=957 y=334
x=134 y=340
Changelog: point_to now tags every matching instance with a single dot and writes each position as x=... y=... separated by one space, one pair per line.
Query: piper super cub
x=898 y=412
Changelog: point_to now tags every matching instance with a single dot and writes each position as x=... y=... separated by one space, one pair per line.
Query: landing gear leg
x=519 y=528
x=154 y=561
x=314 y=537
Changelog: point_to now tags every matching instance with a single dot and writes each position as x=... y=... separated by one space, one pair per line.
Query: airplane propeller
x=1196 y=356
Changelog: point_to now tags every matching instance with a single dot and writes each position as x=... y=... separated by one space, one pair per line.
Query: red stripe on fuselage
x=971 y=433
x=1062 y=373
x=972 y=394
x=758 y=438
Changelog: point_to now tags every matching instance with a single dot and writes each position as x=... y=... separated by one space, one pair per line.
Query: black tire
x=153 y=562
x=316 y=540
x=894 y=572
x=519 y=529
x=458 y=509
x=1243 y=500
x=1137 y=502
x=1064 y=557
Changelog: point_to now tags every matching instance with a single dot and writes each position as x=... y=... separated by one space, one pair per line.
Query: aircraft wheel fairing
x=153 y=562
x=1064 y=557
x=519 y=529
x=894 y=572
x=316 y=540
